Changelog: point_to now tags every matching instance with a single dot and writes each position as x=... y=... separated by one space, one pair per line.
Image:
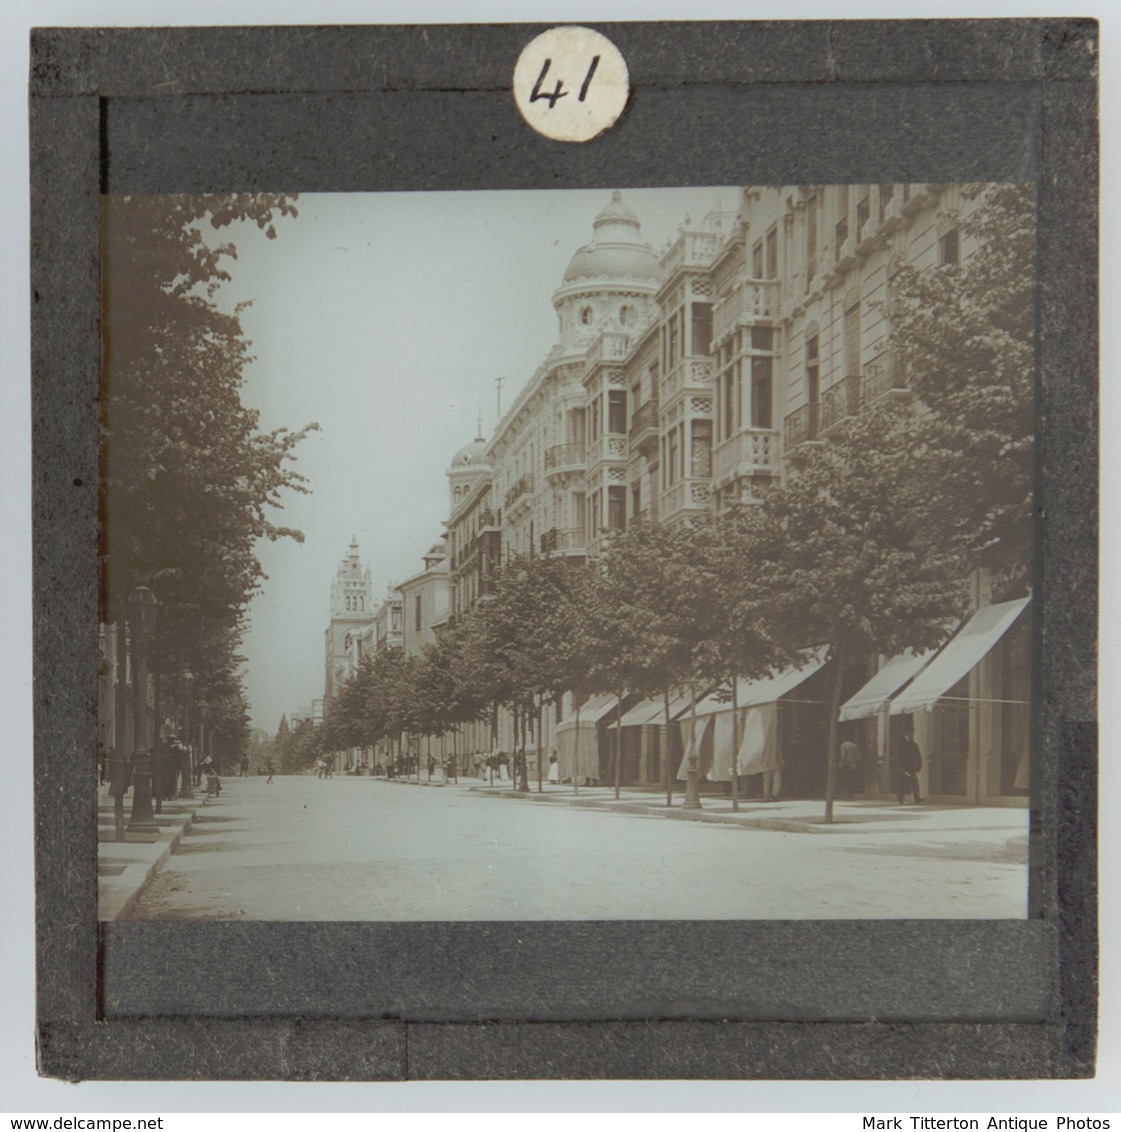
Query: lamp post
x=143 y=609
x=186 y=769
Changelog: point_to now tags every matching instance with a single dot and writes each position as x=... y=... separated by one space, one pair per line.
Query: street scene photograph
x=611 y=554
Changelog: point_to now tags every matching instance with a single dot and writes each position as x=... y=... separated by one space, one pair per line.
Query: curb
x=136 y=874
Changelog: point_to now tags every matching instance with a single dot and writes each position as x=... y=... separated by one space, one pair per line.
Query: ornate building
x=679 y=385
x=349 y=633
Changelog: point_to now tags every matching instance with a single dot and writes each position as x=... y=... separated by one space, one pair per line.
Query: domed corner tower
x=352 y=615
x=610 y=283
x=468 y=466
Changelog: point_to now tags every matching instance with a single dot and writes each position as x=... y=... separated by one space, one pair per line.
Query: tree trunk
x=618 y=743
x=693 y=766
x=666 y=772
x=159 y=774
x=540 y=729
x=576 y=754
x=735 y=744
x=834 y=711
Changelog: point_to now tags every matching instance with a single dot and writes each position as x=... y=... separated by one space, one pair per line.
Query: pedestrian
x=213 y=783
x=554 y=768
x=908 y=763
x=772 y=771
x=243 y=770
x=848 y=763
x=269 y=771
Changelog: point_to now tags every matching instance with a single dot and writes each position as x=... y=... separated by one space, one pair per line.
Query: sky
x=386 y=318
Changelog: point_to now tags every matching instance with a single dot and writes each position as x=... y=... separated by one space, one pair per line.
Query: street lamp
x=143 y=609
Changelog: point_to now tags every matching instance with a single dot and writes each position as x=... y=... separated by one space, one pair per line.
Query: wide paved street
x=367 y=849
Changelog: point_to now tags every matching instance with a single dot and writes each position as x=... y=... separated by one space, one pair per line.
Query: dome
x=617 y=250
x=616 y=212
x=470 y=455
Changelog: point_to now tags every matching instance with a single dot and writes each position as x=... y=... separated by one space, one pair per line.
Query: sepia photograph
x=575 y=554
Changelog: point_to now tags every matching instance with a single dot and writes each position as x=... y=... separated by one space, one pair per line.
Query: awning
x=976 y=639
x=591 y=711
x=652 y=712
x=767 y=690
x=877 y=693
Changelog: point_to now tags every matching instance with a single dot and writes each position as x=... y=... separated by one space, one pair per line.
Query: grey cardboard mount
x=423 y=108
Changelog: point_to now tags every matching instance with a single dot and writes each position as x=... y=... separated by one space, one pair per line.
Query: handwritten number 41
x=558 y=90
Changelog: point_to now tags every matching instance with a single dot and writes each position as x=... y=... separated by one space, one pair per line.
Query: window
x=586 y=316
x=727 y=409
x=813 y=371
x=863 y=213
x=852 y=339
x=762 y=398
x=617 y=508
x=702 y=328
x=617 y=411
x=626 y=315
x=886 y=193
x=950 y=248
x=701 y=456
x=417 y=613
x=811 y=240
x=671 y=458
x=762 y=338
x=671 y=341
x=757 y=260
x=842 y=235
x=772 y=252
x=636 y=499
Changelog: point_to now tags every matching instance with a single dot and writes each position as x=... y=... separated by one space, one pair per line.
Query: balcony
x=883 y=378
x=489 y=520
x=802 y=425
x=607 y=449
x=524 y=486
x=840 y=402
x=687 y=496
x=746 y=454
x=891 y=215
x=560 y=539
x=689 y=375
x=564 y=459
x=749 y=302
x=691 y=249
x=644 y=425
x=610 y=346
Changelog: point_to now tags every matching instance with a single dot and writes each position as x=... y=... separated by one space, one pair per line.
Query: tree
x=963 y=336
x=661 y=611
x=189 y=481
x=744 y=642
x=849 y=565
x=519 y=646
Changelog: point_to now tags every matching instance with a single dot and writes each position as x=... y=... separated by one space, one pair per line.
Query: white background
x=22 y=1091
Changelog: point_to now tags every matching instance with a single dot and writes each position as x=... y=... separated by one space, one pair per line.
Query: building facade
x=680 y=385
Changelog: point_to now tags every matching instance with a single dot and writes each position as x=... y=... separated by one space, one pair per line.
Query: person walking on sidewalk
x=849 y=763
x=270 y=772
x=908 y=763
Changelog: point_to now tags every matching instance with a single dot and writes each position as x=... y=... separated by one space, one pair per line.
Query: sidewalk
x=999 y=830
x=125 y=867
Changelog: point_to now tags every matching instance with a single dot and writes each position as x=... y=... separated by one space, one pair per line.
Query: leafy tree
x=849 y=565
x=674 y=612
x=963 y=337
x=519 y=645
x=188 y=479
x=727 y=573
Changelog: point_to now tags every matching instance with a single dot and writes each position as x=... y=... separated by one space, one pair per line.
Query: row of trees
x=864 y=549
x=189 y=479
